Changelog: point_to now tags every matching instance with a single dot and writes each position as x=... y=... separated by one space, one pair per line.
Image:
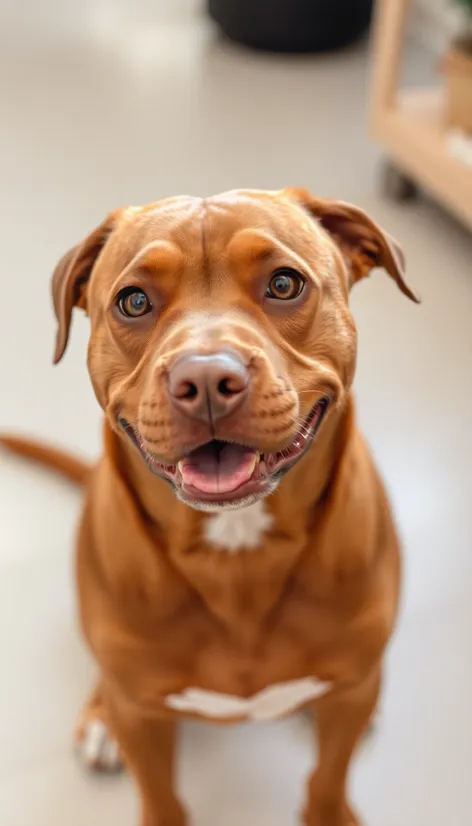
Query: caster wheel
x=396 y=185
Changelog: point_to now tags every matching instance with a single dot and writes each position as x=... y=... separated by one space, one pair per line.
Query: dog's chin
x=230 y=505
x=243 y=498
x=228 y=475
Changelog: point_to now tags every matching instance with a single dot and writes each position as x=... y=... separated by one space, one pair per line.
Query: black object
x=292 y=25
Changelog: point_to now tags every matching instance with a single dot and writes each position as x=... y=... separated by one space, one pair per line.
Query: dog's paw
x=98 y=751
x=329 y=811
x=323 y=820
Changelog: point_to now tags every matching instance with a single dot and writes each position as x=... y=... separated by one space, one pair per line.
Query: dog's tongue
x=216 y=468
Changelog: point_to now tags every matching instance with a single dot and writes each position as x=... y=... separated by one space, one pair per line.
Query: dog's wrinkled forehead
x=210 y=235
x=177 y=222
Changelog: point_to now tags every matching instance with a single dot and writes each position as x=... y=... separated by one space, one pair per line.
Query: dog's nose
x=208 y=386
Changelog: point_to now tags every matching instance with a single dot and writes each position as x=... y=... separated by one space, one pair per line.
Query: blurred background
x=106 y=103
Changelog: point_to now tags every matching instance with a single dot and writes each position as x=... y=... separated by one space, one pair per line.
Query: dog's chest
x=233 y=533
x=243 y=670
x=231 y=664
x=272 y=702
x=238 y=530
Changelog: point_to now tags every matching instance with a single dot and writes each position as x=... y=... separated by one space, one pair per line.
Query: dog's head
x=221 y=337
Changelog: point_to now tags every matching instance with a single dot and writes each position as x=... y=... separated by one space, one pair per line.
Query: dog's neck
x=240 y=589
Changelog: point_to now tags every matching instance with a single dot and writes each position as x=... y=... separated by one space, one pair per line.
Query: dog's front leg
x=149 y=749
x=341 y=717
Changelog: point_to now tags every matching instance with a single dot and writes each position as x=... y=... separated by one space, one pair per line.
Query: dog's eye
x=133 y=302
x=285 y=284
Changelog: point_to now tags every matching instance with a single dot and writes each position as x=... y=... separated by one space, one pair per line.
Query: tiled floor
x=102 y=109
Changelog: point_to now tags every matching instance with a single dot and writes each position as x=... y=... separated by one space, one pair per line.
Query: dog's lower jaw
x=230 y=505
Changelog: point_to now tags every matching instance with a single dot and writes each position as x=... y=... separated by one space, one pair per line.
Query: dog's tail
x=67 y=465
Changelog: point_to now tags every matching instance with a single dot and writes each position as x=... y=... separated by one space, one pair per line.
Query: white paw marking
x=98 y=750
x=237 y=530
x=269 y=704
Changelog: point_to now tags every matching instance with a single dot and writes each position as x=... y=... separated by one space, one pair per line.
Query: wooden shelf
x=414 y=134
x=411 y=124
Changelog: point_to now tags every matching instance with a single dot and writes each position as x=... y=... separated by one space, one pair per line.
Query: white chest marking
x=237 y=530
x=269 y=704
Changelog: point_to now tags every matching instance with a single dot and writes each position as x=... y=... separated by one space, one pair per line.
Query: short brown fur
x=163 y=610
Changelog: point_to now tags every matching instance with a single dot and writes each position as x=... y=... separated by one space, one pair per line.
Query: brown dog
x=222 y=352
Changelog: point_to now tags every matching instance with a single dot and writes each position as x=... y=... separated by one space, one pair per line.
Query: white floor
x=100 y=108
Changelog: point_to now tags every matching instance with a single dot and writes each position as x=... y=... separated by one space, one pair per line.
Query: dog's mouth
x=223 y=473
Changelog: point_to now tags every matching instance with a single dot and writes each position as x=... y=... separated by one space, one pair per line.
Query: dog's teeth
x=255 y=460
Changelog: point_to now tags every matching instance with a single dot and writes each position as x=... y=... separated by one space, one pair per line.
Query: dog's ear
x=363 y=243
x=70 y=278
